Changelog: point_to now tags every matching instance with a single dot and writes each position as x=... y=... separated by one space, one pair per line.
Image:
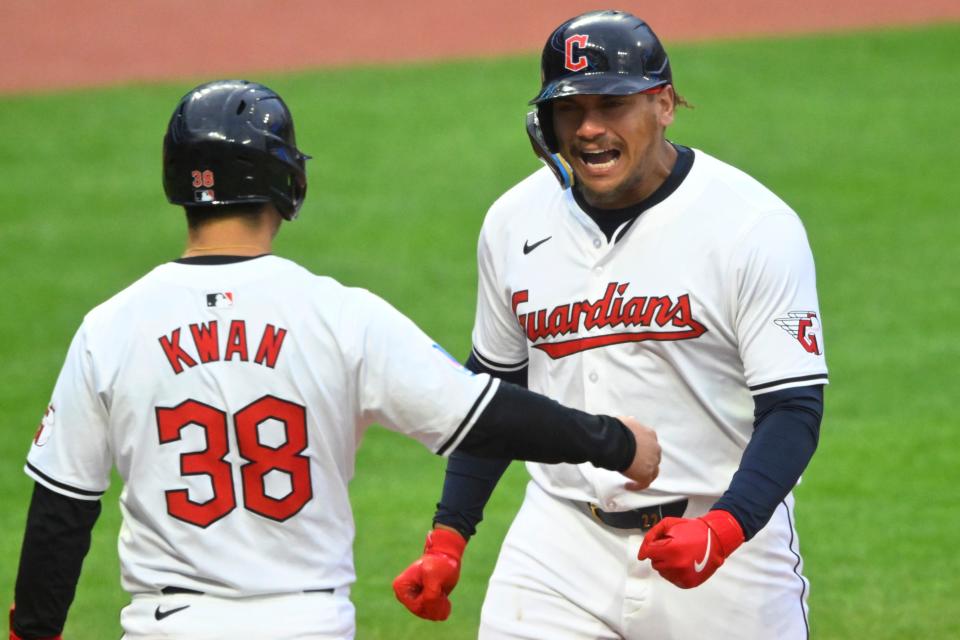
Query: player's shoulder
x=133 y=296
x=532 y=195
x=733 y=190
x=291 y=275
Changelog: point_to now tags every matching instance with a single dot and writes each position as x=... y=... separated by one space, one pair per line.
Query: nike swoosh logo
x=527 y=248
x=698 y=566
x=160 y=615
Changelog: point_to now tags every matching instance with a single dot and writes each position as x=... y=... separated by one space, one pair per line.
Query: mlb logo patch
x=453 y=361
x=204 y=195
x=220 y=300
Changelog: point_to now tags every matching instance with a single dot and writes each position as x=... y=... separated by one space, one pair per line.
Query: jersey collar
x=218 y=259
x=609 y=220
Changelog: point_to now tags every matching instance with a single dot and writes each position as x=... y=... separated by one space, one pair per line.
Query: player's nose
x=591 y=125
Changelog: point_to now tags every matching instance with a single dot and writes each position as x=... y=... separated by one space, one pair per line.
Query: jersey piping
x=468 y=421
x=810 y=379
x=497 y=366
x=52 y=484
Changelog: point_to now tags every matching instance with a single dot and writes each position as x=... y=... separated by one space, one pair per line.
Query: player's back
x=229 y=413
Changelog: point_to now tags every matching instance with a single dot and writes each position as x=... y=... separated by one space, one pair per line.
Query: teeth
x=589 y=158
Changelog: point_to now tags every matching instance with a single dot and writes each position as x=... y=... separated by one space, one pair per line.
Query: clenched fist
x=646 y=461
x=423 y=587
x=687 y=551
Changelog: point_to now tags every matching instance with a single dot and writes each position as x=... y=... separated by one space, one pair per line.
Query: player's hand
x=646 y=461
x=687 y=551
x=13 y=635
x=423 y=587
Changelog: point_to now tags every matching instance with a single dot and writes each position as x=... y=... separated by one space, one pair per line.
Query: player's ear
x=666 y=104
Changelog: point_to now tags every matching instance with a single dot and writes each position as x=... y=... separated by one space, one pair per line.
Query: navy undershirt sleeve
x=469 y=480
x=518 y=424
x=55 y=543
x=786 y=432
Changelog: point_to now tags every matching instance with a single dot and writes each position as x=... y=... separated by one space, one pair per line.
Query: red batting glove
x=423 y=587
x=687 y=551
x=13 y=634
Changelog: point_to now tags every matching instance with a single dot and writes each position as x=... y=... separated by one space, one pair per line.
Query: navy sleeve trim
x=61 y=485
x=767 y=385
x=466 y=420
x=498 y=366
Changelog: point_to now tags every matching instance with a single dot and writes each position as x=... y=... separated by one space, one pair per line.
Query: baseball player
x=636 y=272
x=230 y=388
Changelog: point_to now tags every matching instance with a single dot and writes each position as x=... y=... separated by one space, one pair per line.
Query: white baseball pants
x=296 y=616
x=562 y=575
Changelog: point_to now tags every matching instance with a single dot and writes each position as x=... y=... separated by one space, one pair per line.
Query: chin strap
x=560 y=167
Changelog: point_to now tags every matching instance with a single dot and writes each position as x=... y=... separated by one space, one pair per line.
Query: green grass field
x=857 y=132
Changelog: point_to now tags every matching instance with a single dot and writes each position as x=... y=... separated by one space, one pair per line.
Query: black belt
x=169 y=591
x=643 y=519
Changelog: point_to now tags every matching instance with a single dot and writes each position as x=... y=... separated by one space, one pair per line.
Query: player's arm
x=515 y=423
x=469 y=480
x=468 y=483
x=518 y=424
x=786 y=433
x=56 y=540
x=70 y=461
x=785 y=437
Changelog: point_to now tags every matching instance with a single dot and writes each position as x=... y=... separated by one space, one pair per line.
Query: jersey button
x=593 y=376
x=596 y=242
x=598 y=270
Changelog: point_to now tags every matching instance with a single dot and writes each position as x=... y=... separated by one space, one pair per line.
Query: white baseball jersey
x=706 y=299
x=232 y=399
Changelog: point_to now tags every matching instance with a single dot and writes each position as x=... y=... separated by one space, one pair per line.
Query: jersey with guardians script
x=704 y=300
x=232 y=399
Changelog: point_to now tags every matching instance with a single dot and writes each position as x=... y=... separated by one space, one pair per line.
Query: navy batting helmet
x=232 y=142
x=597 y=53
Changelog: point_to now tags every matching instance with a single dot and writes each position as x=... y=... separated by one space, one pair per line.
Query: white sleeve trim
x=789 y=383
x=497 y=366
x=470 y=419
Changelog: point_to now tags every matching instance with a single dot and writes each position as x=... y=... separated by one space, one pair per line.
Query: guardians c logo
x=575 y=60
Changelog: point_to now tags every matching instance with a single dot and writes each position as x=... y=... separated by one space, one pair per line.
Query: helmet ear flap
x=545 y=119
x=545 y=151
x=294 y=195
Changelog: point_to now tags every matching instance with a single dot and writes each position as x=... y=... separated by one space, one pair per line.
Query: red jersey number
x=263 y=459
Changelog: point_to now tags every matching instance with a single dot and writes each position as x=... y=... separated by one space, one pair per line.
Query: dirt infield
x=73 y=43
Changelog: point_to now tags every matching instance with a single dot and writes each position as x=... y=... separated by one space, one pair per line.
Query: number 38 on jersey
x=261 y=459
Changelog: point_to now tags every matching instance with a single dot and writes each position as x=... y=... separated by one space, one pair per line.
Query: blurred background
x=414 y=115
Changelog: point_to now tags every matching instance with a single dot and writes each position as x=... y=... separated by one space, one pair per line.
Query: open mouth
x=602 y=159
